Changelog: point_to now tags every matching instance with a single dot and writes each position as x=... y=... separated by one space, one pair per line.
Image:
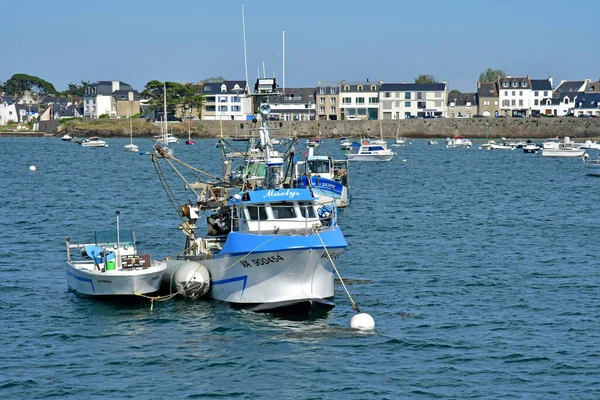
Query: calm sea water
x=480 y=268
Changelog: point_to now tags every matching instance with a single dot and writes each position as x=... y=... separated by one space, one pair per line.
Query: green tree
x=425 y=79
x=491 y=75
x=190 y=99
x=454 y=93
x=19 y=83
x=215 y=79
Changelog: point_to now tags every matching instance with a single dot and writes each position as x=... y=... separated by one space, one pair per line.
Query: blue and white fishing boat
x=328 y=178
x=269 y=249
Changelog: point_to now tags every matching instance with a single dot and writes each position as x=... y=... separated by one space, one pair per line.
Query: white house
x=359 y=100
x=296 y=104
x=226 y=101
x=414 y=100
x=97 y=99
x=8 y=112
x=515 y=96
x=541 y=92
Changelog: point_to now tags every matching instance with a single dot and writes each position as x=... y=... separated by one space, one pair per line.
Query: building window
x=520 y=93
x=521 y=103
x=387 y=95
x=505 y=103
x=361 y=111
x=407 y=96
x=523 y=84
x=438 y=104
x=407 y=104
x=495 y=102
x=514 y=93
x=333 y=110
x=360 y=100
x=235 y=99
x=236 y=108
x=468 y=104
x=332 y=100
x=504 y=84
x=486 y=102
x=373 y=88
x=536 y=93
x=545 y=93
x=346 y=100
x=438 y=95
x=332 y=91
x=222 y=108
x=452 y=104
x=535 y=102
x=346 y=88
x=513 y=102
x=359 y=88
x=222 y=99
x=322 y=90
x=373 y=100
x=322 y=100
x=515 y=84
x=322 y=110
x=506 y=92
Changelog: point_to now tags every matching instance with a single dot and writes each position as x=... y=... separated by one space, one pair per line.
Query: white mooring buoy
x=32 y=168
x=362 y=321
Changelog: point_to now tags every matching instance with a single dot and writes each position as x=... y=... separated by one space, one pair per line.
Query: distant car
x=411 y=117
x=478 y=116
x=352 y=118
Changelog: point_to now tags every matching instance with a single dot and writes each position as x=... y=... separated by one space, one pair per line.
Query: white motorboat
x=458 y=141
x=492 y=145
x=531 y=148
x=111 y=266
x=592 y=166
x=66 y=137
x=270 y=249
x=556 y=148
x=589 y=145
x=432 y=142
x=94 y=142
x=368 y=151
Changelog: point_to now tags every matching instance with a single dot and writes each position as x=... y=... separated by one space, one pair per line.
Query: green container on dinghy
x=110 y=265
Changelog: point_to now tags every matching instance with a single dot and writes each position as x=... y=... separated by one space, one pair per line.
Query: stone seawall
x=421 y=128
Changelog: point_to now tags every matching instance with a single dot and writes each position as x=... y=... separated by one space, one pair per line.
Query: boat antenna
x=118 y=234
x=264 y=71
x=245 y=57
x=283 y=56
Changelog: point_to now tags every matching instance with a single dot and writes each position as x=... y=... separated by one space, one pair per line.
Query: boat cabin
x=279 y=211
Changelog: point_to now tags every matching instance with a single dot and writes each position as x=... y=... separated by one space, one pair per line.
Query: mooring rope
x=354 y=305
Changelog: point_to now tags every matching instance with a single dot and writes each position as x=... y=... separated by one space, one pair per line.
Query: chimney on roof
x=444 y=82
x=478 y=85
x=381 y=81
x=403 y=81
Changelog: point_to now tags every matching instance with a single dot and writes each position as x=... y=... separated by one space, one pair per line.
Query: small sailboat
x=131 y=147
x=189 y=140
x=400 y=140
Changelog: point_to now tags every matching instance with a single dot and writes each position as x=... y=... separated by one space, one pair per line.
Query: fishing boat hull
x=83 y=279
x=273 y=273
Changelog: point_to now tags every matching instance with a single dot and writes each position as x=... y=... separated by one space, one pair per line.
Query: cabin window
x=254 y=212
x=283 y=211
x=306 y=209
x=318 y=166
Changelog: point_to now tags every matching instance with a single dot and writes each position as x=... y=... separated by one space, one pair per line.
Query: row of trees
x=489 y=75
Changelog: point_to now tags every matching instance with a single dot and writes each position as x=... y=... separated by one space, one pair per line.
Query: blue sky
x=186 y=41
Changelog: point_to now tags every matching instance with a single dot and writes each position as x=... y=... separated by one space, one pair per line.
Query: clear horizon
x=138 y=41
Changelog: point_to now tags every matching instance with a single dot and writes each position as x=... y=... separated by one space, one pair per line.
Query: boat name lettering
x=333 y=255
x=288 y=193
x=103 y=281
x=261 y=261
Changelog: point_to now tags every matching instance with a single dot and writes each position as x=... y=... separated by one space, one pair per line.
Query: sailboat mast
x=165 y=111
x=245 y=57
